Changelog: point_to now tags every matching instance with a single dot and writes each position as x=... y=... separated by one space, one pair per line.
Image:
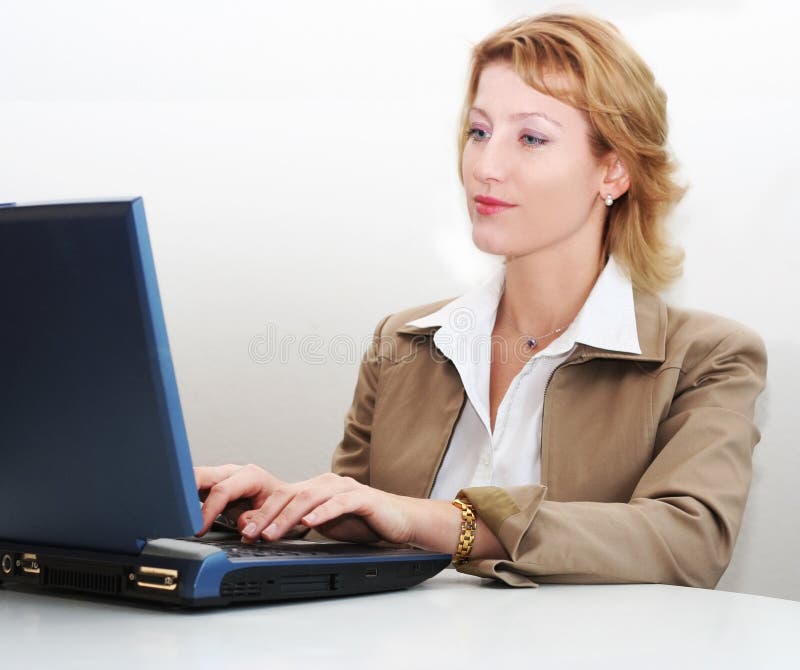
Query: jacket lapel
x=421 y=401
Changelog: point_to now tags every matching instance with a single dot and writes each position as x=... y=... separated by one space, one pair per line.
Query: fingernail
x=270 y=530
x=249 y=529
x=310 y=517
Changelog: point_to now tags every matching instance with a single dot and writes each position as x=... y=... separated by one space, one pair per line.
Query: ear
x=616 y=181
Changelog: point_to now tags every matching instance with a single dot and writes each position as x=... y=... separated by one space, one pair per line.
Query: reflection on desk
x=451 y=620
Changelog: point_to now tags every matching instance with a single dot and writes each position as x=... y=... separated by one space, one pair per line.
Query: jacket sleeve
x=682 y=520
x=351 y=456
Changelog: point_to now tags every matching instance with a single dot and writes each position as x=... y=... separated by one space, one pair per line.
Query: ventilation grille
x=241 y=589
x=82 y=580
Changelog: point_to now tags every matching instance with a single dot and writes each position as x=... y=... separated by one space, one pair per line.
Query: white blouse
x=511 y=455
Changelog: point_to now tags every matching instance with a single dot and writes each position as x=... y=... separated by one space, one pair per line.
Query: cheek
x=467 y=160
x=467 y=178
x=554 y=183
x=542 y=189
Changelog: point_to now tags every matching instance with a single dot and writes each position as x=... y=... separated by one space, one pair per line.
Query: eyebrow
x=521 y=115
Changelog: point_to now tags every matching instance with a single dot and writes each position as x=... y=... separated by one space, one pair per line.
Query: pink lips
x=488 y=206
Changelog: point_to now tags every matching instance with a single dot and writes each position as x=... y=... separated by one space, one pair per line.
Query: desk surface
x=452 y=620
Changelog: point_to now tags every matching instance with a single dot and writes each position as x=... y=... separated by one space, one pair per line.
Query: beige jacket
x=646 y=458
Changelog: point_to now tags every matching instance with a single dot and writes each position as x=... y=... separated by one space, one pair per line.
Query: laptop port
x=30 y=564
x=7 y=564
x=160 y=579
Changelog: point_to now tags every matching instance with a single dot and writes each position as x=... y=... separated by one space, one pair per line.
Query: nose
x=489 y=164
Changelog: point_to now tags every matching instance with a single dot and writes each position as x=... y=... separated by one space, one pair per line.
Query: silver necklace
x=532 y=341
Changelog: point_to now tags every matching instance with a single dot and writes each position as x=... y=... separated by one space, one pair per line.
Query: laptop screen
x=92 y=441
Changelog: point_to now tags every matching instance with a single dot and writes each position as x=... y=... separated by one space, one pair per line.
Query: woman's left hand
x=338 y=507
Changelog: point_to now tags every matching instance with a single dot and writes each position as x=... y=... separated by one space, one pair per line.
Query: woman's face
x=531 y=151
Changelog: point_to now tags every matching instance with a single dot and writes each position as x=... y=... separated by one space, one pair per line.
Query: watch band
x=469 y=526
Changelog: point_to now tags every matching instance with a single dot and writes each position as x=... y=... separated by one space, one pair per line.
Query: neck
x=546 y=291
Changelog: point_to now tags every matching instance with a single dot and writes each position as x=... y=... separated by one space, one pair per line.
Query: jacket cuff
x=508 y=513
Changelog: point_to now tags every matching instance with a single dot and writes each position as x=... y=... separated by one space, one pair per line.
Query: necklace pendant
x=532 y=343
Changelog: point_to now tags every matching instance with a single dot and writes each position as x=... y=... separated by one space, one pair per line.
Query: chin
x=491 y=242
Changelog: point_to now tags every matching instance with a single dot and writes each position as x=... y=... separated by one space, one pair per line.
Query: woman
x=588 y=432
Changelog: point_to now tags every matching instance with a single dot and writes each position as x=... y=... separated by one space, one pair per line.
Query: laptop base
x=188 y=573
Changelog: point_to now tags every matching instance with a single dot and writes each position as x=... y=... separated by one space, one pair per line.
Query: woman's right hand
x=237 y=489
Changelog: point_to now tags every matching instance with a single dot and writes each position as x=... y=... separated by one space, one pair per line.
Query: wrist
x=437 y=525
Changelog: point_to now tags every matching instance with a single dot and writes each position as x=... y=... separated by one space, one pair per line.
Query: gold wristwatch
x=468 y=527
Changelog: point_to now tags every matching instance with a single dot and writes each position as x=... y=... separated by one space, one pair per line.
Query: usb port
x=371 y=572
x=30 y=564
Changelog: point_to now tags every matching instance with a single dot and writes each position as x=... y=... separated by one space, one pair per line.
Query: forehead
x=502 y=92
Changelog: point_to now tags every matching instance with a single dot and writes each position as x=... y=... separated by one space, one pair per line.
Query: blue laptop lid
x=93 y=449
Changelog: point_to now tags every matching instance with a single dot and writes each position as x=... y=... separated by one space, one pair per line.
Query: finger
x=263 y=517
x=244 y=519
x=232 y=513
x=245 y=482
x=289 y=502
x=384 y=515
x=206 y=476
x=276 y=521
x=349 y=502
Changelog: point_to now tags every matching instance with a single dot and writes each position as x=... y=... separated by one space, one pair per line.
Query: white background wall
x=298 y=166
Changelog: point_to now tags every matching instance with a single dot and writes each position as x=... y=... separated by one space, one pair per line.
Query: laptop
x=97 y=491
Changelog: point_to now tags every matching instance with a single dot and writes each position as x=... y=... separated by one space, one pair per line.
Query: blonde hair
x=608 y=80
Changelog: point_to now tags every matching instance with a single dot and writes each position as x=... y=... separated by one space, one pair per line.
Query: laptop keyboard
x=235 y=548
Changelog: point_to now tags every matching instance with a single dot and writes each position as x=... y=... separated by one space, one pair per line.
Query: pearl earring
x=609 y=200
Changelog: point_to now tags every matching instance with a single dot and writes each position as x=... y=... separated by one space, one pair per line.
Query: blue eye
x=477 y=134
x=533 y=141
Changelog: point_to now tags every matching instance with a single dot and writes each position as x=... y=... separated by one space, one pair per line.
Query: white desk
x=451 y=621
